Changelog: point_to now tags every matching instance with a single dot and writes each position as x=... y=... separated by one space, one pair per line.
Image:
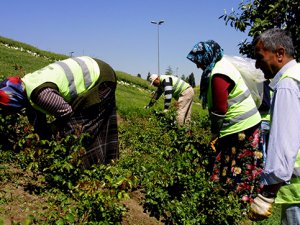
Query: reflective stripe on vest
x=241 y=117
x=73 y=76
x=290 y=194
x=178 y=87
x=70 y=76
x=242 y=112
x=239 y=98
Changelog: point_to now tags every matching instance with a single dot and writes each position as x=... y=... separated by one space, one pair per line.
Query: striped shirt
x=52 y=102
x=166 y=88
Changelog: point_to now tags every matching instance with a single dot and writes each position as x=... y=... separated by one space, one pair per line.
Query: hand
x=260 y=208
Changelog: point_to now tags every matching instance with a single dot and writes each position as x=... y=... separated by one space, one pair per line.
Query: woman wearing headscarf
x=234 y=121
x=80 y=93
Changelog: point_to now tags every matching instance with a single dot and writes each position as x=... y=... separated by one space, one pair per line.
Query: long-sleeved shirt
x=284 y=140
x=167 y=89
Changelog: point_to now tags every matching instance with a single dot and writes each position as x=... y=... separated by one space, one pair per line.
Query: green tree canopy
x=256 y=16
x=169 y=71
x=191 y=80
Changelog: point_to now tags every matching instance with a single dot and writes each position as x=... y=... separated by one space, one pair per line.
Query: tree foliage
x=256 y=16
x=169 y=71
x=191 y=80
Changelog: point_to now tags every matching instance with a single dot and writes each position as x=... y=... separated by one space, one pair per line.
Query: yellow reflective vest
x=290 y=194
x=242 y=112
x=73 y=77
x=178 y=85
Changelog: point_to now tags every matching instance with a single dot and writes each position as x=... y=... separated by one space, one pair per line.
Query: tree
x=148 y=76
x=191 y=80
x=169 y=70
x=139 y=75
x=256 y=16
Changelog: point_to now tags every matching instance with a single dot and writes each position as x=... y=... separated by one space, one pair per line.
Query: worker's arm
x=168 y=92
x=221 y=87
x=155 y=97
x=53 y=103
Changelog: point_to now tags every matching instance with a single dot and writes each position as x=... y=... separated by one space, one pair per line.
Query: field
x=160 y=177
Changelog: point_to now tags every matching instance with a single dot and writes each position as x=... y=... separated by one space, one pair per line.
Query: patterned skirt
x=100 y=122
x=239 y=163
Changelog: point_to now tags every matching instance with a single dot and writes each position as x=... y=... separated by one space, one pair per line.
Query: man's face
x=266 y=60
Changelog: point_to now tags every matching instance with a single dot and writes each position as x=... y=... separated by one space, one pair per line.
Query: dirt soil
x=16 y=203
x=135 y=214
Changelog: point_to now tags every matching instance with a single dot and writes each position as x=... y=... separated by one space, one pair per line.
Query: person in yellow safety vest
x=174 y=87
x=234 y=119
x=80 y=93
x=274 y=54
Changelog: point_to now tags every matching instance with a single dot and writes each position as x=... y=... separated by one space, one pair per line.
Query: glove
x=146 y=107
x=165 y=110
x=213 y=142
x=260 y=208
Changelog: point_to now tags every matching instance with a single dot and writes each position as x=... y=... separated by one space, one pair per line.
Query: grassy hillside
x=133 y=93
x=161 y=166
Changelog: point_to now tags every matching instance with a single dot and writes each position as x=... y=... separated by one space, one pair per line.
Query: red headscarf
x=12 y=93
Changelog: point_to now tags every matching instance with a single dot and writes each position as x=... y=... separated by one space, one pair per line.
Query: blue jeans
x=290 y=214
x=264 y=137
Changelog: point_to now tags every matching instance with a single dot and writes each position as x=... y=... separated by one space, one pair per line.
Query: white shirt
x=284 y=140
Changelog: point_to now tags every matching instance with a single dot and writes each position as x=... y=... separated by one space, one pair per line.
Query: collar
x=277 y=77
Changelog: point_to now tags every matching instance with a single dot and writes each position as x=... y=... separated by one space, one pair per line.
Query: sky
x=120 y=32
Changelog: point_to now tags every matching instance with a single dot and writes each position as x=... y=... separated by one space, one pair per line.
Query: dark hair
x=274 y=38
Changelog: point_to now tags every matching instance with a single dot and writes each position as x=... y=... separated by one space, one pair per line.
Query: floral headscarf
x=207 y=54
x=12 y=93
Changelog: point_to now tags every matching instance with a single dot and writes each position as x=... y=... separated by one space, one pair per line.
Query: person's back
x=173 y=87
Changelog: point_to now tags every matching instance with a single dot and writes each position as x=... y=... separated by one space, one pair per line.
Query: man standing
x=174 y=87
x=274 y=53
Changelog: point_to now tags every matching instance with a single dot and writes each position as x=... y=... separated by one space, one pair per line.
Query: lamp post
x=158 y=23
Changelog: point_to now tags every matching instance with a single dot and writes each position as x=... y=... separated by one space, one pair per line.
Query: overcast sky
x=120 y=32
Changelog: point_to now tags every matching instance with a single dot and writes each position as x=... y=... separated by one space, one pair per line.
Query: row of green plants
x=166 y=163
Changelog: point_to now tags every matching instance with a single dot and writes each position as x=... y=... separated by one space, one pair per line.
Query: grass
x=132 y=94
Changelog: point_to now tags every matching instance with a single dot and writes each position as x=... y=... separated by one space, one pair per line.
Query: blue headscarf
x=207 y=54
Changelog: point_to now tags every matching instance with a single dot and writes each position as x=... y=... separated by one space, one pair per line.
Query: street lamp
x=158 y=23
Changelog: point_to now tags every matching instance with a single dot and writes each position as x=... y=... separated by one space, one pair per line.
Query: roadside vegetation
x=41 y=183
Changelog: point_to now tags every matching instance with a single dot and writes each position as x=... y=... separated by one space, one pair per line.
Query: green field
x=165 y=164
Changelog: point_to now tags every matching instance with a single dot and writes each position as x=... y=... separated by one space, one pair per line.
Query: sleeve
x=168 y=91
x=221 y=87
x=52 y=102
x=155 y=97
x=284 y=139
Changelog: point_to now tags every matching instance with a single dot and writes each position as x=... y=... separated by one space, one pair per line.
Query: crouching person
x=80 y=93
